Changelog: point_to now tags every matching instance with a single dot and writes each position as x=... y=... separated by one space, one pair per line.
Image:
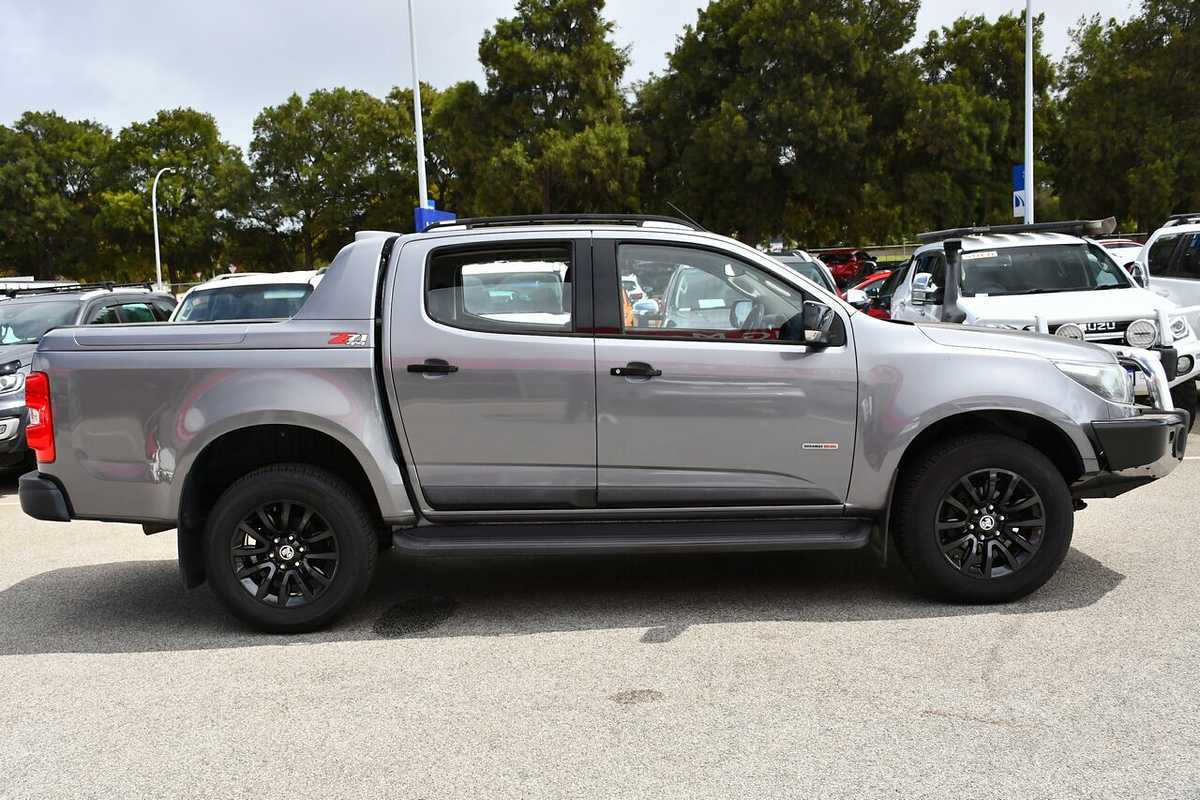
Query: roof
x=258 y=279
x=586 y=220
x=1002 y=241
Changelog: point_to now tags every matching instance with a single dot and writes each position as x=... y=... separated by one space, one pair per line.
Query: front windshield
x=227 y=303
x=26 y=323
x=809 y=269
x=1040 y=269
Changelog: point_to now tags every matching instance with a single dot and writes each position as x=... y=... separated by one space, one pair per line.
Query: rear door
x=1174 y=261
x=493 y=367
x=722 y=405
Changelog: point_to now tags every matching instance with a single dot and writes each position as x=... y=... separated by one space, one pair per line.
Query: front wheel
x=289 y=547
x=983 y=519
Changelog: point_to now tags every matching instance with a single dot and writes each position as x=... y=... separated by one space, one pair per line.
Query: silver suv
x=482 y=388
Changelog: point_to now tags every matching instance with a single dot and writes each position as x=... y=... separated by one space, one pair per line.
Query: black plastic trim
x=516 y=498
x=561 y=219
x=637 y=537
x=42 y=497
x=1141 y=441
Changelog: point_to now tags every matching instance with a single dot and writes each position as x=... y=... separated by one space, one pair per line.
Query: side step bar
x=635 y=537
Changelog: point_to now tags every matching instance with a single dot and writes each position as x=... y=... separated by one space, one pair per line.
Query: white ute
x=1048 y=278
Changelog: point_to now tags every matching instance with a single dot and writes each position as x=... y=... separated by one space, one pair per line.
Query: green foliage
x=549 y=132
x=198 y=203
x=51 y=179
x=1129 y=134
x=818 y=120
x=775 y=115
x=322 y=165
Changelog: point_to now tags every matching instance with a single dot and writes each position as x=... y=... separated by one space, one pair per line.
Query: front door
x=717 y=402
x=494 y=372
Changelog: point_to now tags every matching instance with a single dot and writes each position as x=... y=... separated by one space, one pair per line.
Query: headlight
x=1141 y=333
x=11 y=382
x=1110 y=381
x=1180 y=328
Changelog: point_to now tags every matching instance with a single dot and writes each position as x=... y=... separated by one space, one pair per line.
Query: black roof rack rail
x=1075 y=227
x=1182 y=218
x=562 y=219
x=74 y=287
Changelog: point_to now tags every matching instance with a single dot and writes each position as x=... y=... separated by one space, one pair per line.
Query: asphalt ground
x=757 y=676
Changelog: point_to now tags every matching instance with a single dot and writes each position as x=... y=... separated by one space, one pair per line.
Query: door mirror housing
x=925 y=292
x=857 y=298
x=1138 y=273
x=822 y=326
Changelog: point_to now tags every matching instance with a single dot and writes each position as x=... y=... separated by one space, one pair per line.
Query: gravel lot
x=813 y=675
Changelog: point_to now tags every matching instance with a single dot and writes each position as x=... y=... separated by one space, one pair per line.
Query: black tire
x=1185 y=397
x=339 y=526
x=926 y=502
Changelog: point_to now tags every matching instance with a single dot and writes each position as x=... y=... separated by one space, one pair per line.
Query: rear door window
x=508 y=289
x=1159 y=257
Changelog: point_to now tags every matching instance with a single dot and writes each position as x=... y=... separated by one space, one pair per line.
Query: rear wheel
x=983 y=519
x=288 y=548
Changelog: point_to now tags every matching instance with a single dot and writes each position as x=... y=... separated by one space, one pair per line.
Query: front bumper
x=43 y=498
x=1134 y=452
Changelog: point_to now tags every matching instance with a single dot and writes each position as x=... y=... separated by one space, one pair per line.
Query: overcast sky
x=121 y=60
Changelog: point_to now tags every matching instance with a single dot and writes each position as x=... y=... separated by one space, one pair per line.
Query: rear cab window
x=520 y=288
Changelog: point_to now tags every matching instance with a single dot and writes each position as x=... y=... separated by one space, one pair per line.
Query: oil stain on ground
x=632 y=697
x=415 y=615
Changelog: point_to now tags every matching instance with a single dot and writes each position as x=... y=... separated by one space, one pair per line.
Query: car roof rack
x=1076 y=227
x=74 y=287
x=1182 y=219
x=562 y=219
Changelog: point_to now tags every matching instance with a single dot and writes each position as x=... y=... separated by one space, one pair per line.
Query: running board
x=690 y=536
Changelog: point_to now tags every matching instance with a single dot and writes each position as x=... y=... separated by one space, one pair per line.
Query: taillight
x=39 y=433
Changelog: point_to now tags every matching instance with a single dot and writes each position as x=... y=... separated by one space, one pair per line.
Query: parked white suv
x=1040 y=278
x=1170 y=260
x=251 y=295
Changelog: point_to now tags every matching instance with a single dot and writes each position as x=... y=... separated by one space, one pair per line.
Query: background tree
x=968 y=124
x=51 y=177
x=777 y=115
x=1131 y=96
x=198 y=204
x=549 y=133
x=319 y=164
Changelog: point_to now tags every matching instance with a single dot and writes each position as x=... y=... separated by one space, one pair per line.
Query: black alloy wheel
x=990 y=523
x=284 y=554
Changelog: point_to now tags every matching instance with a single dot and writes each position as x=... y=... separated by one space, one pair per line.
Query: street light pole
x=423 y=188
x=1029 y=182
x=154 y=213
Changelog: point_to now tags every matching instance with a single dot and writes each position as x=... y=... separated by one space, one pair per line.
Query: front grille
x=1113 y=331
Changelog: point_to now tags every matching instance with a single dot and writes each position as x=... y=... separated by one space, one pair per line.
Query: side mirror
x=740 y=312
x=925 y=292
x=822 y=327
x=1139 y=274
x=857 y=298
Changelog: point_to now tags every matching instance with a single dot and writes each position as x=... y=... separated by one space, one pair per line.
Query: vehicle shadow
x=140 y=606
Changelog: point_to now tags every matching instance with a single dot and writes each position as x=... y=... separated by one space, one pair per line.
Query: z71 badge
x=349 y=339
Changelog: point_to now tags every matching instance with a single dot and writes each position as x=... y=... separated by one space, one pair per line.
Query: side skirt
x=686 y=536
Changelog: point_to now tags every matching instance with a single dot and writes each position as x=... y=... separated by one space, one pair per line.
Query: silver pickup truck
x=482 y=388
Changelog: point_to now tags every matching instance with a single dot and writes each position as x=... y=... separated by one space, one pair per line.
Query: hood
x=1068 y=306
x=17 y=352
x=1052 y=347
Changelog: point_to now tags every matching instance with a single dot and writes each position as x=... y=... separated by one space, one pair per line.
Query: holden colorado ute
x=477 y=388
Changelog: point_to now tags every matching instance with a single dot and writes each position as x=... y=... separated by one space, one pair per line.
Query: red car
x=871 y=286
x=846 y=263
